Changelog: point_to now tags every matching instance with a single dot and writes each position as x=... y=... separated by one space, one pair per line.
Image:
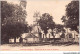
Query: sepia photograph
x=39 y=25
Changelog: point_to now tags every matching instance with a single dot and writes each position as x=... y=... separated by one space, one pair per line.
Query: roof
x=31 y=35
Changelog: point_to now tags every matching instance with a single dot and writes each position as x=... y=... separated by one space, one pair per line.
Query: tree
x=46 y=22
x=12 y=21
x=72 y=15
x=30 y=28
x=6 y=10
x=60 y=28
x=64 y=19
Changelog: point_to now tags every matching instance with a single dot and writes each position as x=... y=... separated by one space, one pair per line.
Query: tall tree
x=46 y=22
x=72 y=15
x=13 y=21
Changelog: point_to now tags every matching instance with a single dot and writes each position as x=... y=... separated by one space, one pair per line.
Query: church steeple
x=23 y=3
x=36 y=16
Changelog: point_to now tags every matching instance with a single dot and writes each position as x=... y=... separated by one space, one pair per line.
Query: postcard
x=39 y=25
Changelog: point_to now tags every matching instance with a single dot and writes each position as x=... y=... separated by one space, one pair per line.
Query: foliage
x=60 y=28
x=46 y=22
x=72 y=15
x=12 y=20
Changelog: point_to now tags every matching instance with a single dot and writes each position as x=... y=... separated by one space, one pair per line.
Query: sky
x=55 y=8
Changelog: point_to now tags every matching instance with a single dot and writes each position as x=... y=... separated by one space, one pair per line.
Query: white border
x=38 y=52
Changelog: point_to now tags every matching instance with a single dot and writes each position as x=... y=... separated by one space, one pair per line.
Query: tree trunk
x=46 y=37
x=7 y=40
x=49 y=36
x=54 y=37
x=15 y=40
x=21 y=40
x=40 y=36
x=4 y=39
x=53 y=34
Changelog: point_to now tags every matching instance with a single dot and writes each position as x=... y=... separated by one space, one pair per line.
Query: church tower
x=36 y=17
x=37 y=28
x=23 y=4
